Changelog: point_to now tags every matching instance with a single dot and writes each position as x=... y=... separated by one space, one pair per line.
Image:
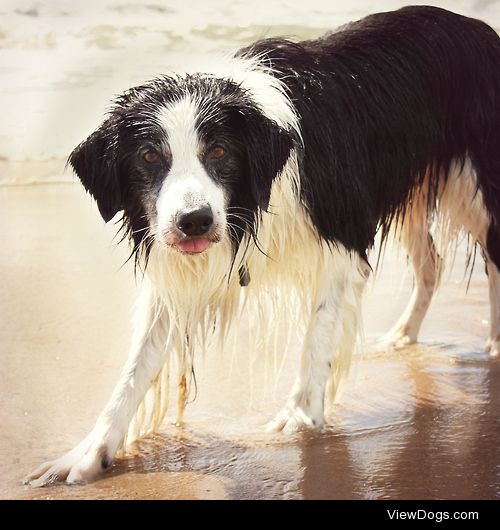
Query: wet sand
x=421 y=422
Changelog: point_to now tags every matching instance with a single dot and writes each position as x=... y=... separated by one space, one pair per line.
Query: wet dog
x=274 y=174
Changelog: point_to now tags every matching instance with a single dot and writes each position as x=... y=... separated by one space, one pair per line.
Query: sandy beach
x=414 y=423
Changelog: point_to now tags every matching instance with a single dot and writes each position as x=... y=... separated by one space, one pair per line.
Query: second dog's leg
x=97 y=450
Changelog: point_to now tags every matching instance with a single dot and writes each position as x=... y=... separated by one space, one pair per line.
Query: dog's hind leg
x=493 y=343
x=492 y=259
x=427 y=266
x=462 y=202
x=328 y=344
x=147 y=356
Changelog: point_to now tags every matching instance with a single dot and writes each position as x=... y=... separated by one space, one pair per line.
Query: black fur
x=381 y=102
x=96 y=162
x=258 y=146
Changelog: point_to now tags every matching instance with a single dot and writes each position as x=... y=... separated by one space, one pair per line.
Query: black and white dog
x=273 y=175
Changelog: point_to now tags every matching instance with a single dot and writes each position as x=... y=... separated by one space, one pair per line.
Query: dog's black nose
x=196 y=223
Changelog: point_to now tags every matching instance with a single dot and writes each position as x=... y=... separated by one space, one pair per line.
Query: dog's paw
x=78 y=466
x=294 y=418
x=398 y=338
x=493 y=347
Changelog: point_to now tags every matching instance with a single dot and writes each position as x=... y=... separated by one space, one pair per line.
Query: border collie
x=272 y=176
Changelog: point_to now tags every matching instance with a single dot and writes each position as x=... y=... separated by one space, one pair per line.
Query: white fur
x=460 y=208
x=178 y=301
x=329 y=341
x=414 y=235
x=266 y=90
x=184 y=295
x=263 y=88
x=187 y=186
x=493 y=343
x=148 y=353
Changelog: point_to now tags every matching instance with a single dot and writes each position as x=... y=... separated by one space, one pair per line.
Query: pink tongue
x=193 y=245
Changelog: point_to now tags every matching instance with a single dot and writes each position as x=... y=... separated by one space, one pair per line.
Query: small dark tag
x=244 y=276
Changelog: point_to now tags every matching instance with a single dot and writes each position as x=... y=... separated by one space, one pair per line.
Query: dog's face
x=189 y=160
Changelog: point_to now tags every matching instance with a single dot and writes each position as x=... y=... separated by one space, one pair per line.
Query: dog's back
x=387 y=103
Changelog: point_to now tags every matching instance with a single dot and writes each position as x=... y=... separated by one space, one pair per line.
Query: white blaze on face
x=187 y=186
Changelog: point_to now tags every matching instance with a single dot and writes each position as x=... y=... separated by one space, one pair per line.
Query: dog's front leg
x=329 y=341
x=147 y=356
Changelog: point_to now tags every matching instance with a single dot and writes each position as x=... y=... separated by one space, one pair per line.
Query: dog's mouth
x=193 y=245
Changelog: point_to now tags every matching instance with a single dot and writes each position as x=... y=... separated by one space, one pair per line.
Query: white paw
x=398 y=338
x=294 y=418
x=79 y=465
x=493 y=347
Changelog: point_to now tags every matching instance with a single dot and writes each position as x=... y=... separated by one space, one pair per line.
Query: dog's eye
x=216 y=153
x=151 y=157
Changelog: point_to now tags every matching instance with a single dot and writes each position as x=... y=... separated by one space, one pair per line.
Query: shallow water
x=421 y=422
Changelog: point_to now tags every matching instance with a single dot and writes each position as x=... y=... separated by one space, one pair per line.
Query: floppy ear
x=268 y=148
x=95 y=161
